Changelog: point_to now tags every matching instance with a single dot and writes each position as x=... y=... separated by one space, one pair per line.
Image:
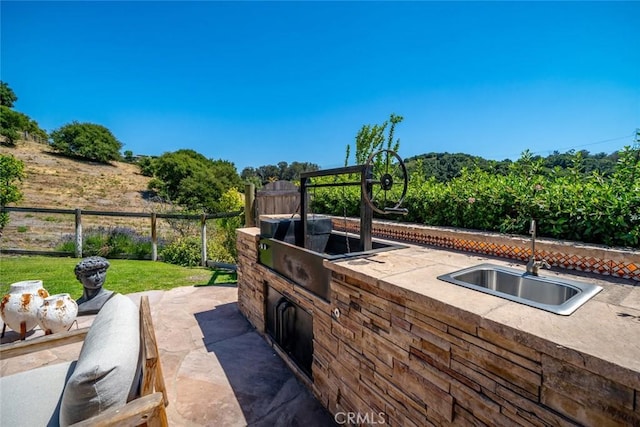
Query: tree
x=249 y=175
x=128 y=156
x=147 y=165
x=8 y=129
x=446 y=166
x=282 y=171
x=371 y=139
x=11 y=172
x=87 y=141
x=190 y=179
x=296 y=168
x=7 y=96
x=13 y=123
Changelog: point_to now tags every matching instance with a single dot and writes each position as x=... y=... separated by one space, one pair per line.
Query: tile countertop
x=603 y=335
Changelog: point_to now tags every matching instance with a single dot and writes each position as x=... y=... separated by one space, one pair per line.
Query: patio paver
x=218 y=370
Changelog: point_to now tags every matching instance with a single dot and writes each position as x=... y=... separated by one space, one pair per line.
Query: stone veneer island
x=394 y=340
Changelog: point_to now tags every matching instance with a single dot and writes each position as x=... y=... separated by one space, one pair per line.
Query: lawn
x=124 y=276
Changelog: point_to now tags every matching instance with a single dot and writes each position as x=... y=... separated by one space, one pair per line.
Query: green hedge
x=568 y=204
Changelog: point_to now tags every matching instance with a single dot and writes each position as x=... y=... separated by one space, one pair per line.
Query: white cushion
x=32 y=398
x=107 y=365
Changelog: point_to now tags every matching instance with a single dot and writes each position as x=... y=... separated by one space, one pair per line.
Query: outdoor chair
x=116 y=380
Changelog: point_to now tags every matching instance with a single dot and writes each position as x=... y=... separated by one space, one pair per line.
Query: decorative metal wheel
x=386 y=182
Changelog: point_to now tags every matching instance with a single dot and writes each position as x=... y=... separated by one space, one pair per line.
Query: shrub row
x=567 y=203
x=117 y=242
x=110 y=242
x=221 y=245
x=184 y=250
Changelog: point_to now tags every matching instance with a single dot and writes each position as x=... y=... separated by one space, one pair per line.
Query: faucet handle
x=533 y=266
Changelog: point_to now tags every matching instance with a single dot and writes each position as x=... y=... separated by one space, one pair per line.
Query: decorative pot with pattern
x=21 y=304
x=57 y=313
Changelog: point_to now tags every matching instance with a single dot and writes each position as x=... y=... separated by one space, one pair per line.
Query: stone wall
x=251 y=292
x=398 y=358
x=422 y=363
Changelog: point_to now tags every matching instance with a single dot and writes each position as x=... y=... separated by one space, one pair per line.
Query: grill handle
x=284 y=314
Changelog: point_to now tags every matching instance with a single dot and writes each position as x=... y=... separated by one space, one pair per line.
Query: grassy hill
x=54 y=181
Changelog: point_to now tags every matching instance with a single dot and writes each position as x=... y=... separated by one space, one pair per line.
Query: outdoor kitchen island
x=393 y=343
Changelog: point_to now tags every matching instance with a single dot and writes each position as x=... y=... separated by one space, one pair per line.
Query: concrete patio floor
x=218 y=370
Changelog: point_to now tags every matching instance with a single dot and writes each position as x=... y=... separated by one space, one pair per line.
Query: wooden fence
x=279 y=197
x=26 y=136
x=78 y=213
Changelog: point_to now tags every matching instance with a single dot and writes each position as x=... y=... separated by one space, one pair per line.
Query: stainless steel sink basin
x=546 y=293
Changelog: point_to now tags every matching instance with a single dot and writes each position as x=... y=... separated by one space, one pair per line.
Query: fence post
x=249 y=205
x=78 y=233
x=203 y=224
x=154 y=238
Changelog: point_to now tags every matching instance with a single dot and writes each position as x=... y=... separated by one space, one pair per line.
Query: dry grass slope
x=54 y=181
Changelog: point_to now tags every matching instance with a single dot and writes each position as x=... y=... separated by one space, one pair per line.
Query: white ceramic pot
x=57 y=313
x=21 y=304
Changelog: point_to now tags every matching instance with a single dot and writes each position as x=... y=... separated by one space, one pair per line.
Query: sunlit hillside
x=54 y=181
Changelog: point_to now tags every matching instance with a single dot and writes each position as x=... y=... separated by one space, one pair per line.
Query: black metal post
x=366 y=213
x=303 y=209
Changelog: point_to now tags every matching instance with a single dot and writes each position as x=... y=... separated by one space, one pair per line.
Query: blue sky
x=262 y=82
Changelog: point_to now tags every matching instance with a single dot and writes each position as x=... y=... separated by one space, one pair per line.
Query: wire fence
x=78 y=215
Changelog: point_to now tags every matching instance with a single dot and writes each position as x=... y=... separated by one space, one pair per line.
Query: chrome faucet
x=533 y=265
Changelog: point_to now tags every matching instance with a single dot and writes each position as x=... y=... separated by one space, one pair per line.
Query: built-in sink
x=558 y=296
